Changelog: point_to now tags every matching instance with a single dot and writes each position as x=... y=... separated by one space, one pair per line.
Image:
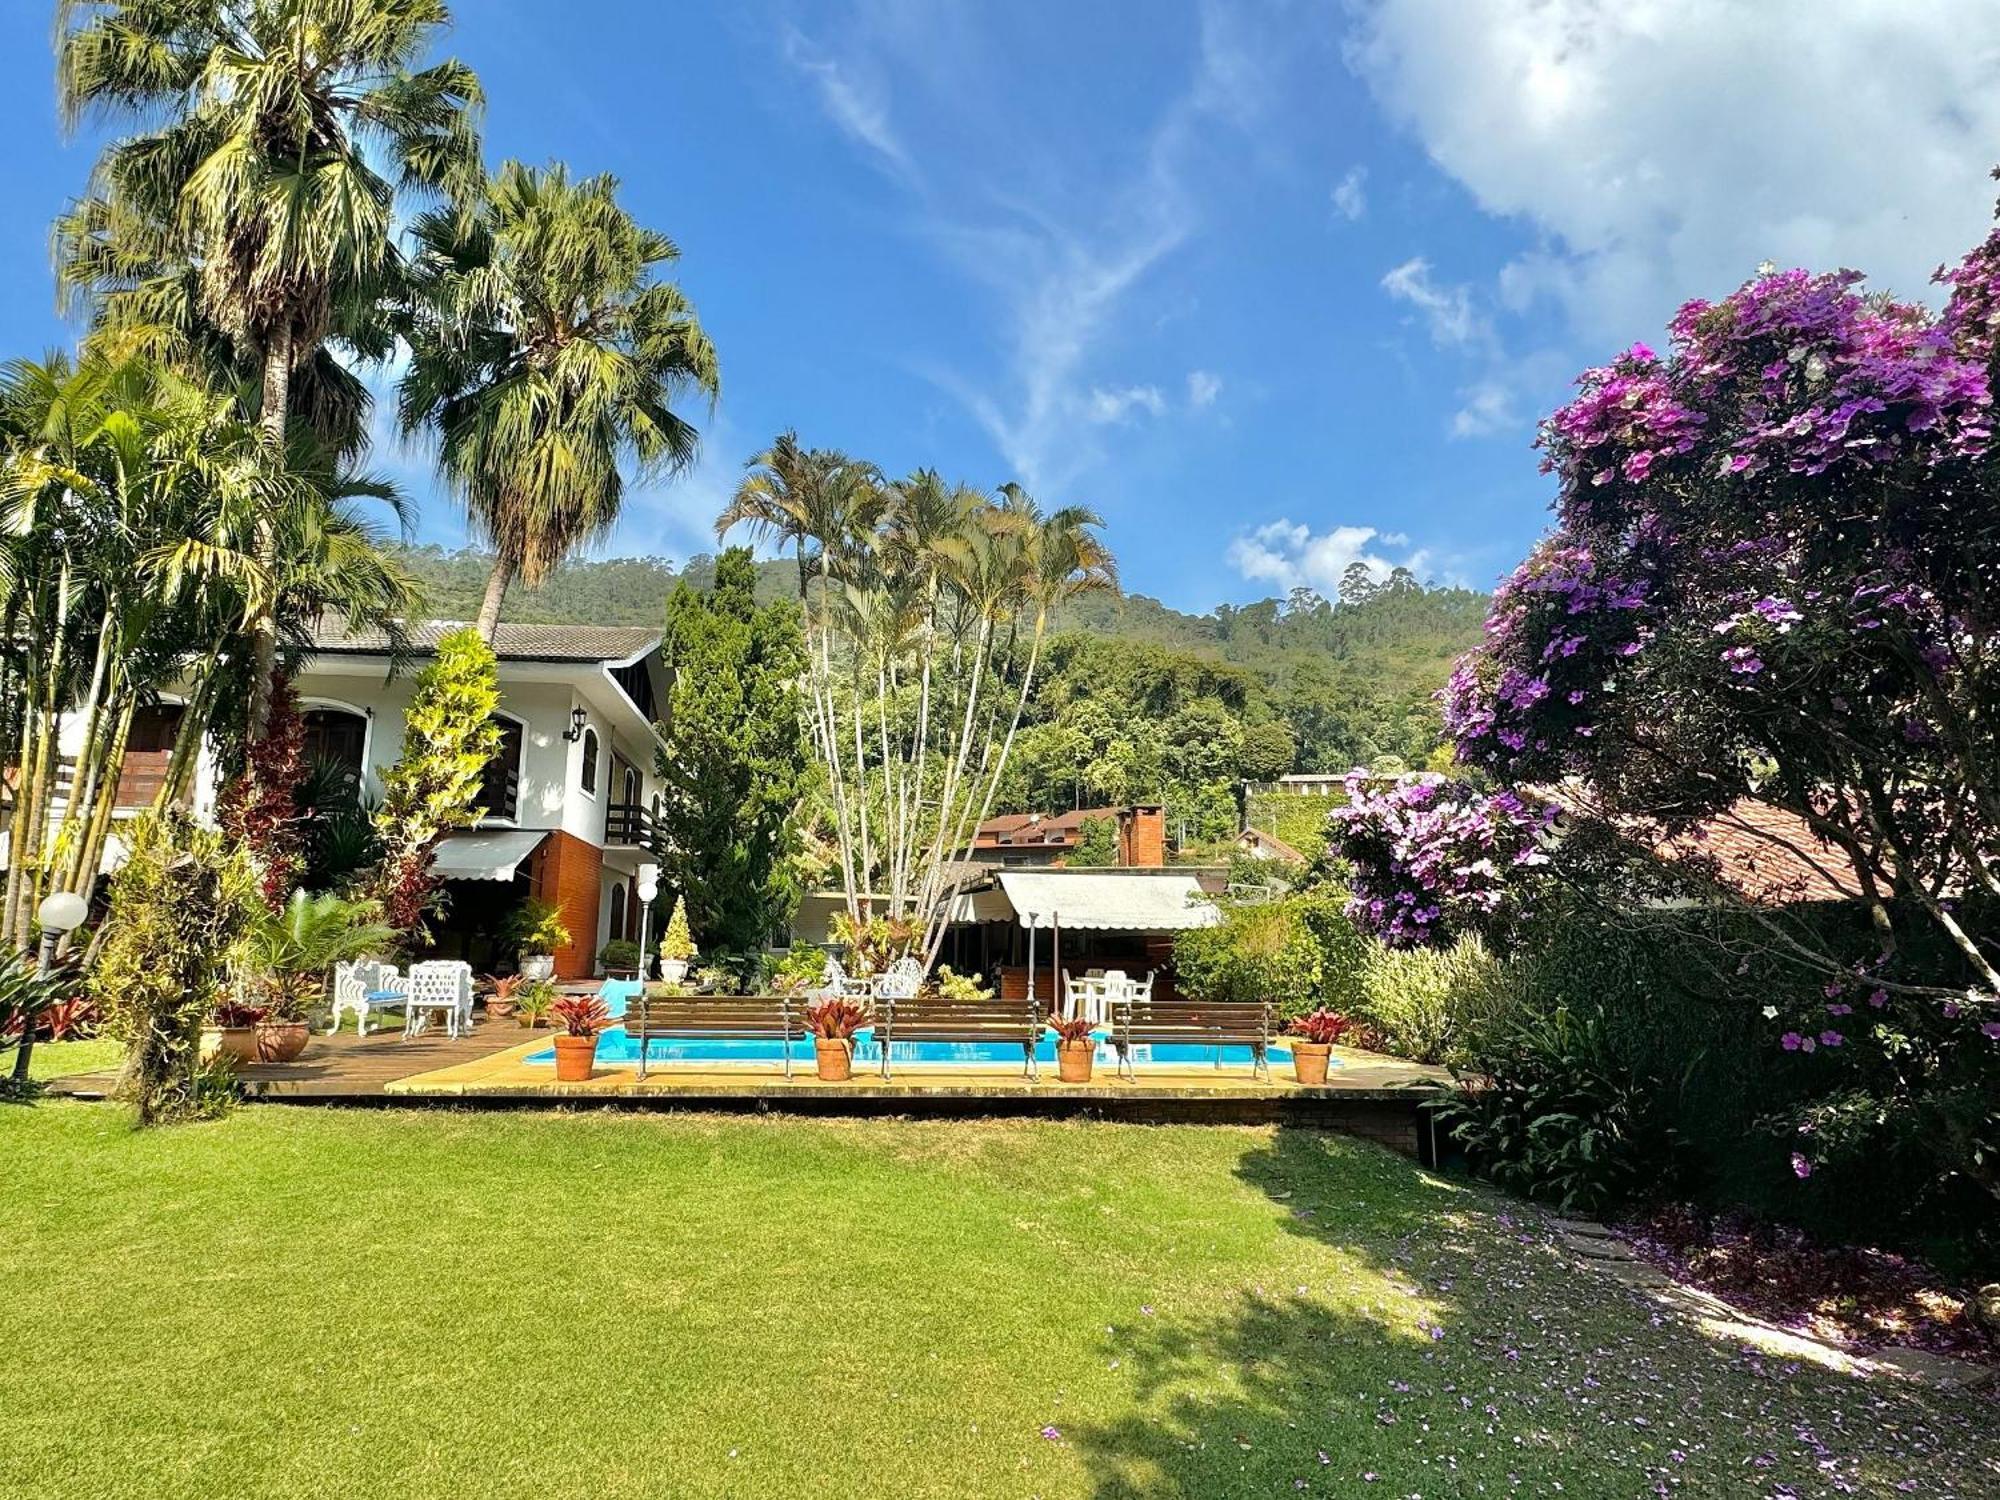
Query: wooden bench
x=931 y=1018
x=722 y=1018
x=1194 y=1023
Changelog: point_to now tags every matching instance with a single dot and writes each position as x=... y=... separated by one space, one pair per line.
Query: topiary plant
x=678 y=944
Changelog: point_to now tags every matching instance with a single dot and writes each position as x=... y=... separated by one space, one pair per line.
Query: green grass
x=298 y=1302
x=54 y=1059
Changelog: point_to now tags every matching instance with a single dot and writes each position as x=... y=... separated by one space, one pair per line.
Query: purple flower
x=1791 y=1041
x=1801 y=1168
x=1831 y=1039
x=1991 y=1030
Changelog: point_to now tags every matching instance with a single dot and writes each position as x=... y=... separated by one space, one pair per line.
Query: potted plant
x=833 y=1022
x=289 y=953
x=620 y=958
x=537 y=929
x=677 y=947
x=582 y=1018
x=1076 y=1047
x=501 y=1000
x=1312 y=1040
x=232 y=1032
x=533 y=1001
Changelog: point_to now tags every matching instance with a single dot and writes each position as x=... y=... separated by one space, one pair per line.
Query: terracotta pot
x=526 y=1019
x=237 y=1043
x=834 y=1057
x=1074 y=1060
x=1309 y=1060
x=500 y=1010
x=575 y=1057
x=281 y=1041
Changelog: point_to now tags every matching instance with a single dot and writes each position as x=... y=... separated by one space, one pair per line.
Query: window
x=618 y=910
x=590 y=761
x=500 y=788
x=632 y=786
x=336 y=736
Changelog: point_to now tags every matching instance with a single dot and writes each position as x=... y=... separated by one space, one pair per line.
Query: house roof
x=1254 y=838
x=1769 y=855
x=564 y=643
x=1038 y=829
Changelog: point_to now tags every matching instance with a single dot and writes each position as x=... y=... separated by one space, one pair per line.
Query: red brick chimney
x=1142 y=836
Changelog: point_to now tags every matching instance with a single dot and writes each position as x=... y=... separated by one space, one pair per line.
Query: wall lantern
x=575 y=730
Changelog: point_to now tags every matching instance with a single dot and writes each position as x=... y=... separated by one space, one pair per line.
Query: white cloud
x=853 y=101
x=1489 y=406
x=1286 y=555
x=1203 y=386
x=1665 y=147
x=1447 y=310
x=1350 y=194
x=1105 y=406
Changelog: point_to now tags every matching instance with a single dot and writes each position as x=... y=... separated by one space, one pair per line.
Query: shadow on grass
x=1430 y=1343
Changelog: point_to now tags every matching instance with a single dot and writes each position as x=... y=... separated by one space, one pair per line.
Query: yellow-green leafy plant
x=678 y=944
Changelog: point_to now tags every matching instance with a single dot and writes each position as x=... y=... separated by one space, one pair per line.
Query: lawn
x=297 y=1302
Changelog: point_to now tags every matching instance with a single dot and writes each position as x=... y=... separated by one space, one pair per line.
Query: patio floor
x=1368 y=1094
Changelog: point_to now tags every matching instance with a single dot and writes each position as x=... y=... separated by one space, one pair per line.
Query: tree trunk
x=274 y=419
x=496 y=591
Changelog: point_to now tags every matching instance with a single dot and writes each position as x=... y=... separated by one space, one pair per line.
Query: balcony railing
x=628 y=825
x=500 y=792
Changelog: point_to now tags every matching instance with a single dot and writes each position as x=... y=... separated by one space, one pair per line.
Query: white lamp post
x=649 y=890
x=59 y=915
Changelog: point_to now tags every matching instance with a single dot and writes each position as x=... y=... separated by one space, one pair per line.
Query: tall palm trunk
x=274 y=418
x=496 y=591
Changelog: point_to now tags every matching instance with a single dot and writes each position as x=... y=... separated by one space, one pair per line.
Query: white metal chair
x=441 y=986
x=834 y=981
x=900 y=981
x=361 y=987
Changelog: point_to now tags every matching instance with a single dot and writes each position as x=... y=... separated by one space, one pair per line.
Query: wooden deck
x=1367 y=1094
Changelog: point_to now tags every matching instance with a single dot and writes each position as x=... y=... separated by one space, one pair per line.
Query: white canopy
x=488 y=854
x=1107 y=902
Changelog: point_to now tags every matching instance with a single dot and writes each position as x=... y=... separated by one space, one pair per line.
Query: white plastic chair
x=361 y=987
x=441 y=986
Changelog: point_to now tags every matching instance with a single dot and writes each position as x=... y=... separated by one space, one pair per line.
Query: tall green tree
x=546 y=361
x=256 y=201
x=737 y=764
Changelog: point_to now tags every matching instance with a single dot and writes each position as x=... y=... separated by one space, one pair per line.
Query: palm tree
x=546 y=361
x=257 y=201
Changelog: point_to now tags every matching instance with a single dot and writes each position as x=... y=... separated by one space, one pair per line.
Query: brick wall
x=1142 y=837
x=567 y=872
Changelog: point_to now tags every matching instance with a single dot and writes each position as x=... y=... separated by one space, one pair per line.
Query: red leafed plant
x=835 y=1018
x=231 y=1016
x=259 y=808
x=1322 y=1027
x=581 y=1015
x=71 y=1020
x=1069 y=1029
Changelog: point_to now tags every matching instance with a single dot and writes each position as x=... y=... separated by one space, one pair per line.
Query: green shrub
x=801 y=969
x=1557 y=1115
x=1300 y=952
x=1426 y=1002
x=537 y=927
x=620 y=953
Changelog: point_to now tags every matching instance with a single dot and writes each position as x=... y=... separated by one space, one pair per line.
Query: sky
x=1273 y=285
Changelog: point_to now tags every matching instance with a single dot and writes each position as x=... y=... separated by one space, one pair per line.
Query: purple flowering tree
x=1774 y=578
x=1432 y=859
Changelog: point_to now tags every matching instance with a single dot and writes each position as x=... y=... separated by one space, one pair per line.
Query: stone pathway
x=1600 y=1251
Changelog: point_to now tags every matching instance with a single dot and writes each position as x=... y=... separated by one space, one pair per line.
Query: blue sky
x=1273 y=284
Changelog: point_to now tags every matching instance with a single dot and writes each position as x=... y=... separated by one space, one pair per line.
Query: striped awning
x=485 y=854
x=1108 y=902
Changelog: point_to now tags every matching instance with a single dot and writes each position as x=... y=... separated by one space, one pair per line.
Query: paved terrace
x=1367 y=1094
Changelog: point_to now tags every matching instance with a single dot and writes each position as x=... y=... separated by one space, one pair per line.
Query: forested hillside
x=1133 y=700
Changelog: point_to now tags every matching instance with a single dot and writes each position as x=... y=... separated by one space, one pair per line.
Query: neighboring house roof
x=1269 y=845
x=570 y=643
x=1038 y=830
x=1769 y=855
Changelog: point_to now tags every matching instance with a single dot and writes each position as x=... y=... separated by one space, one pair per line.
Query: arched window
x=590 y=761
x=500 y=789
x=632 y=786
x=618 y=910
x=336 y=736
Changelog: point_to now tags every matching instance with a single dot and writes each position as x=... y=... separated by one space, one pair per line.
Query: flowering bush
x=1771 y=581
x=1433 y=858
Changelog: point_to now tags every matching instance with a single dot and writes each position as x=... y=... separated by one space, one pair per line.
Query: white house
x=569 y=798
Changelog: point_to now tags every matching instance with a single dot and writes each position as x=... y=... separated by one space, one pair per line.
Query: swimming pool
x=614 y=1046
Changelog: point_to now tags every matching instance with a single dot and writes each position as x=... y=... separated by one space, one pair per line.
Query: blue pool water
x=614 y=1046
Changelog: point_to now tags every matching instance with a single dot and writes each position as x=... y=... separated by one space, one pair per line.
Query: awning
x=487 y=854
x=1109 y=903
